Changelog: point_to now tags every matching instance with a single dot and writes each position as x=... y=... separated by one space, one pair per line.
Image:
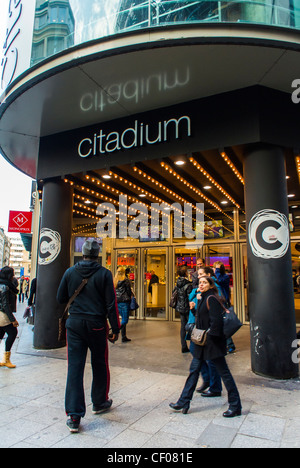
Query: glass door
x=155 y=283
x=245 y=281
x=295 y=247
x=184 y=257
x=222 y=254
x=129 y=260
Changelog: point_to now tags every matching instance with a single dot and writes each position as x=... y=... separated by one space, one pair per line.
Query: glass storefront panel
x=155 y=283
x=295 y=246
x=129 y=260
x=216 y=226
x=245 y=281
x=61 y=25
x=242 y=225
x=223 y=254
x=294 y=218
x=184 y=257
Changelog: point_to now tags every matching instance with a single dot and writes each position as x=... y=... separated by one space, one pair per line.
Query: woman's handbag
x=4 y=320
x=62 y=321
x=133 y=304
x=173 y=301
x=231 y=323
x=199 y=337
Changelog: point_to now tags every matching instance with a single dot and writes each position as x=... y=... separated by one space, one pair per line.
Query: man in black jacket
x=87 y=329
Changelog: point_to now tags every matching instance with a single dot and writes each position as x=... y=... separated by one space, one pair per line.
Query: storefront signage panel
x=133 y=137
x=20 y=221
x=185 y=128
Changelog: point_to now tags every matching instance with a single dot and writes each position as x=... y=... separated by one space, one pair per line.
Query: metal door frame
x=142 y=283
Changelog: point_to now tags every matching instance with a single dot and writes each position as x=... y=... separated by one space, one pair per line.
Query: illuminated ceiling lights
x=213 y=181
x=118 y=192
x=297 y=159
x=190 y=186
x=173 y=194
x=180 y=162
x=232 y=167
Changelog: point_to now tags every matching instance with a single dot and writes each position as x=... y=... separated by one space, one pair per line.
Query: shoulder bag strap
x=72 y=299
x=207 y=303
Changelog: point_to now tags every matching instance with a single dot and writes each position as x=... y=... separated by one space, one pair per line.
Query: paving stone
x=215 y=436
x=32 y=400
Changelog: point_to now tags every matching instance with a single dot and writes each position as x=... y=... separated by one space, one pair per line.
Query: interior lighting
x=190 y=186
x=297 y=159
x=291 y=195
x=207 y=187
x=232 y=167
x=180 y=162
x=213 y=181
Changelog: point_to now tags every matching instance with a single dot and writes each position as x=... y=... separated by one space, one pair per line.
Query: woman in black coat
x=184 y=288
x=209 y=316
x=8 y=322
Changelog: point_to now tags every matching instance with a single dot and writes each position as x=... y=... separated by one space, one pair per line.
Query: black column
x=270 y=295
x=54 y=259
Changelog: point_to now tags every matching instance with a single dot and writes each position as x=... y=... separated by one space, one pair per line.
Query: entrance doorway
x=155 y=274
x=184 y=257
x=224 y=254
x=295 y=247
x=129 y=259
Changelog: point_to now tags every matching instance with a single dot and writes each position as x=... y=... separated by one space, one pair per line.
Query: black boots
x=177 y=407
x=123 y=333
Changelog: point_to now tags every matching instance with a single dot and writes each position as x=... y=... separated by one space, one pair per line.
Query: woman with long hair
x=8 y=322
x=209 y=316
x=124 y=294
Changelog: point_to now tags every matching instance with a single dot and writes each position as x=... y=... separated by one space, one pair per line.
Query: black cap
x=90 y=249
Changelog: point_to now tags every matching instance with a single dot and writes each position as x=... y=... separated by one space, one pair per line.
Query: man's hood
x=86 y=268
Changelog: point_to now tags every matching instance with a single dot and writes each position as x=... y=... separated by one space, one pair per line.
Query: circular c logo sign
x=49 y=247
x=269 y=234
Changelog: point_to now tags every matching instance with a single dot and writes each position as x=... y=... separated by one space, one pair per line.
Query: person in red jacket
x=87 y=329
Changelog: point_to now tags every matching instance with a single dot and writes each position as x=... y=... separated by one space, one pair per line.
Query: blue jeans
x=124 y=312
x=223 y=370
x=210 y=374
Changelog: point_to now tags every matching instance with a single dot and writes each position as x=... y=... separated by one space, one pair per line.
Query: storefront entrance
x=153 y=274
x=148 y=270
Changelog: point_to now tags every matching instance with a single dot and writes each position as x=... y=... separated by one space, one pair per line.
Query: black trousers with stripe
x=81 y=336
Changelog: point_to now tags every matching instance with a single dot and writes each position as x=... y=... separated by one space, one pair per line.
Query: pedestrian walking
x=224 y=282
x=124 y=294
x=184 y=288
x=8 y=323
x=212 y=385
x=209 y=317
x=21 y=289
x=87 y=328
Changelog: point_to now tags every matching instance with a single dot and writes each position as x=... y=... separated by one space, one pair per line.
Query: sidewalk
x=146 y=375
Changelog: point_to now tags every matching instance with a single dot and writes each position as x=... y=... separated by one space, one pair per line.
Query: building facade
x=4 y=249
x=19 y=258
x=169 y=131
